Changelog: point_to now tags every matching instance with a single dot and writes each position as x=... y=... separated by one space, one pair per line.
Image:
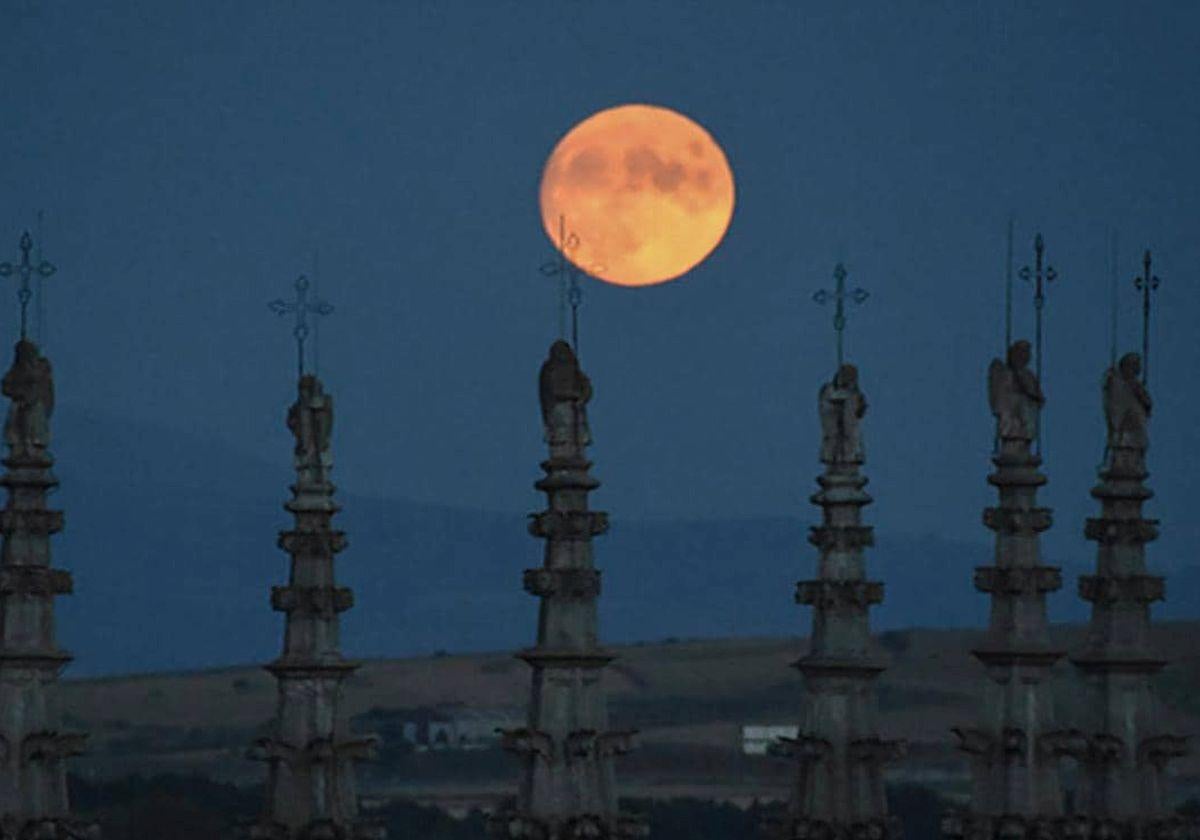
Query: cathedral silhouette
x=567 y=756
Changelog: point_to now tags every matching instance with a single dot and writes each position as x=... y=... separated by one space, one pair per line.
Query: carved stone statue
x=841 y=407
x=1015 y=395
x=29 y=383
x=1126 y=405
x=564 y=391
x=310 y=419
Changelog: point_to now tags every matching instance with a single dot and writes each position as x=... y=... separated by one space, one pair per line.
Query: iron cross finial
x=568 y=273
x=1146 y=284
x=25 y=270
x=1039 y=275
x=301 y=307
x=838 y=296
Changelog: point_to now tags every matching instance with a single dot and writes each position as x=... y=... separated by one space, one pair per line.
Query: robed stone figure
x=1015 y=395
x=29 y=384
x=310 y=419
x=1126 y=405
x=841 y=407
x=564 y=390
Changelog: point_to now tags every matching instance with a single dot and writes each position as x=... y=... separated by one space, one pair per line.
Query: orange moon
x=647 y=193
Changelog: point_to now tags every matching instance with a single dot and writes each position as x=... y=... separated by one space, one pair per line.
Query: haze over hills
x=171 y=538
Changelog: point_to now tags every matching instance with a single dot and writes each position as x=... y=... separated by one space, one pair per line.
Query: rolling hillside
x=688 y=698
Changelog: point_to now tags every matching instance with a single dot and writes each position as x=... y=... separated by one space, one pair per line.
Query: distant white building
x=457 y=728
x=757 y=738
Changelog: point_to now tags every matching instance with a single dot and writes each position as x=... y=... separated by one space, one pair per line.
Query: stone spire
x=1123 y=753
x=1015 y=750
x=839 y=790
x=33 y=747
x=567 y=787
x=310 y=755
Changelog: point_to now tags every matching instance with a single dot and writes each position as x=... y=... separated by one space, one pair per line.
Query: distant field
x=689 y=699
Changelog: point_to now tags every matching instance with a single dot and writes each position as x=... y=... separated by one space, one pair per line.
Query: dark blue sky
x=191 y=157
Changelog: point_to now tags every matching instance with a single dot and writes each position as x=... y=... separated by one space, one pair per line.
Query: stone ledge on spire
x=1129 y=589
x=1106 y=659
x=1120 y=531
x=576 y=744
x=826 y=592
x=1000 y=653
x=324 y=601
x=817 y=667
x=841 y=484
x=1122 y=487
x=316 y=750
x=1018 y=580
x=52 y=745
x=1018 y=520
x=568 y=524
x=312 y=543
x=312 y=498
x=28 y=469
x=841 y=537
x=566 y=474
x=34 y=521
x=303 y=668
x=35 y=580
x=567 y=582
x=547 y=657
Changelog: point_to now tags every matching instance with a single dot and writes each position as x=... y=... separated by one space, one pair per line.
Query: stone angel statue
x=1015 y=395
x=310 y=419
x=29 y=383
x=841 y=407
x=1126 y=405
x=564 y=391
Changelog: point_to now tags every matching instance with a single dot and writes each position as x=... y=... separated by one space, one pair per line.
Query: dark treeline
x=196 y=808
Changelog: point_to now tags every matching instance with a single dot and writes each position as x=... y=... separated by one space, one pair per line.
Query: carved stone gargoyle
x=526 y=741
x=805 y=748
x=1162 y=749
x=1070 y=743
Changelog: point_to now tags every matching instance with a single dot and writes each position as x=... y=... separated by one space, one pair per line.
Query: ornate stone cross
x=838 y=296
x=301 y=306
x=1145 y=284
x=26 y=269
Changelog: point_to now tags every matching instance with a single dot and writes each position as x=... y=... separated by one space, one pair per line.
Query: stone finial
x=29 y=383
x=564 y=391
x=841 y=406
x=566 y=747
x=1015 y=395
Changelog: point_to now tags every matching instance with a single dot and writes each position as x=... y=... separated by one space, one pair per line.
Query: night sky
x=192 y=159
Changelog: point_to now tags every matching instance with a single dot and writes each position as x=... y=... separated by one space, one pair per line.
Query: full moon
x=645 y=192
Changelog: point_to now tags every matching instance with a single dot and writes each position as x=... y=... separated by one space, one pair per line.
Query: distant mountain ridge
x=171 y=539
